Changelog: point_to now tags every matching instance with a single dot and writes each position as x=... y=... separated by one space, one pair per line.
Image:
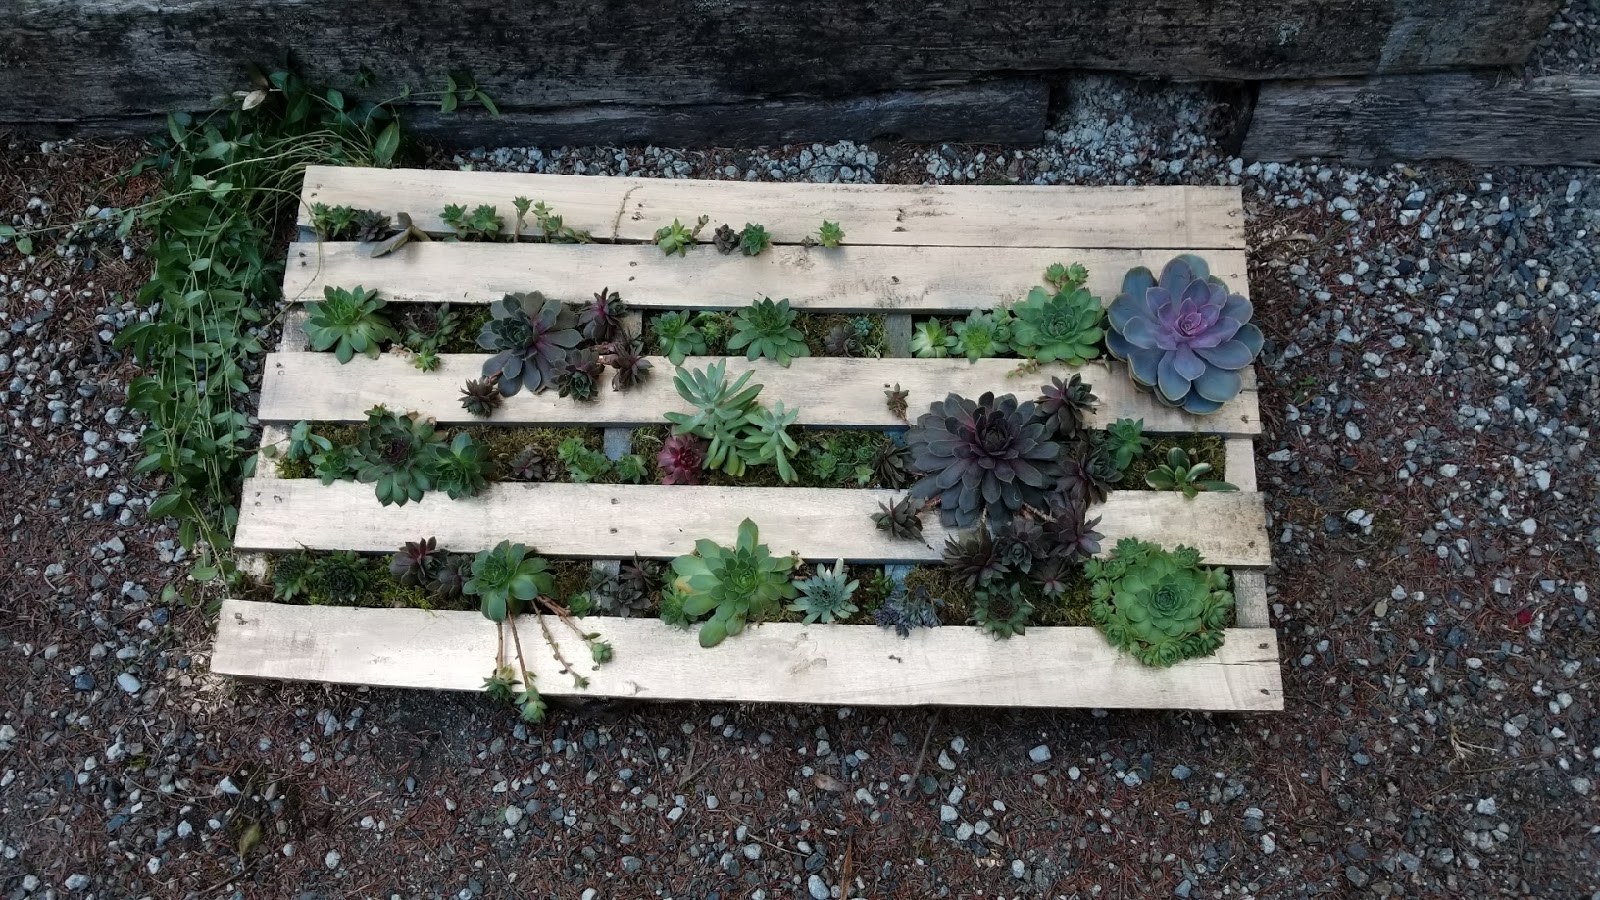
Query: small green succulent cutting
x=825 y=596
x=1125 y=441
x=1066 y=278
x=983 y=334
x=677 y=338
x=830 y=234
x=766 y=329
x=766 y=438
x=551 y=228
x=1161 y=606
x=737 y=585
x=930 y=340
x=291 y=576
x=1002 y=611
x=340 y=577
x=1058 y=327
x=506 y=579
x=720 y=413
x=584 y=464
x=398 y=455
x=482 y=224
x=754 y=240
x=1180 y=474
x=678 y=237
x=348 y=322
x=462 y=469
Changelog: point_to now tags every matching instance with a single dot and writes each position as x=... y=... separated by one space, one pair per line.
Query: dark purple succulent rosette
x=993 y=456
x=1185 y=338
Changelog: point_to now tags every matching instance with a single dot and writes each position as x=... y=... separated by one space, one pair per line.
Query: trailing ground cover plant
x=766 y=329
x=1180 y=474
x=734 y=586
x=348 y=322
x=1161 y=606
x=1185 y=338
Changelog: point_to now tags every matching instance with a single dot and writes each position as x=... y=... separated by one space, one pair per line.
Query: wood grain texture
x=631 y=209
x=1487 y=120
x=115 y=58
x=860 y=665
x=829 y=391
x=609 y=521
x=844 y=279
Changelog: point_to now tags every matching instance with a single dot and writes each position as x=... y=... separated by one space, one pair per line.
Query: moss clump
x=383 y=591
x=465 y=337
x=815 y=327
x=1201 y=448
x=505 y=443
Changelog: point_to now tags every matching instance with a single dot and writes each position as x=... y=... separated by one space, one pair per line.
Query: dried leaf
x=828 y=783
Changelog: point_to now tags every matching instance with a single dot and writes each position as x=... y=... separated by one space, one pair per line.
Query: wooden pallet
x=910 y=250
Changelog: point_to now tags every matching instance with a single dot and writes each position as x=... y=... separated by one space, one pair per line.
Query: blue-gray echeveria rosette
x=1184 y=337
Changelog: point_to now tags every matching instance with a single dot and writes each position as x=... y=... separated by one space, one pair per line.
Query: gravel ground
x=1430 y=384
x=1573 y=45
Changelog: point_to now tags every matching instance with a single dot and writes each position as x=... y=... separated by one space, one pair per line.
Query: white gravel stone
x=1040 y=754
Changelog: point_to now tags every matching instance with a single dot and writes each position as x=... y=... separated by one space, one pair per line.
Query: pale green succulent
x=1161 y=606
x=825 y=596
x=983 y=334
x=1058 y=327
x=735 y=586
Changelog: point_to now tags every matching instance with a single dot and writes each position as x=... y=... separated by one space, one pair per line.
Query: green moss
x=338 y=435
x=505 y=443
x=465 y=338
x=1201 y=448
x=815 y=327
x=941 y=582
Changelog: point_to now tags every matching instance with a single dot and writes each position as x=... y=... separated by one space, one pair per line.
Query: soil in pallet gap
x=572 y=576
x=834 y=458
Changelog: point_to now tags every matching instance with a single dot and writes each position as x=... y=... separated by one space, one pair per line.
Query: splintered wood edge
x=829 y=392
x=858 y=665
x=628 y=208
x=846 y=279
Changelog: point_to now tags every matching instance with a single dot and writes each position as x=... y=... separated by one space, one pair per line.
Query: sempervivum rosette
x=991 y=456
x=1183 y=337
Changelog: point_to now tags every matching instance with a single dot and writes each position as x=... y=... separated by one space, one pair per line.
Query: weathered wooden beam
x=1481 y=119
x=112 y=59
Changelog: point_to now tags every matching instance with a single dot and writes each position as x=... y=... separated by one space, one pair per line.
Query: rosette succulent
x=506 y=578
x=480 y=398
x=992 y=455
x=1161 y=606
x=1184 y=337
x=677 y=337
x=826 y=595
x=720 y=413
x=417 y=562
x=681 y=458
x=398 y=455
x=625 y=355
x=1002 y=610
x=600 y=319
x=291 y=576
x=1066 y=405
x=531 y=337
x=348 y=322
x=339 y=576
x=1058 y=327
x=902 y=518
x=531 y=464
x=905 y=610
x=983 y=334
x=930 y=340
x=462 y=469
x=766 y=328
x=738 y=585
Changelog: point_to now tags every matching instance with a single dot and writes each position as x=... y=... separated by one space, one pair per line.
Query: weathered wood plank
x=844 y=279
x=631 y=209
x=115 y=58
x=1482 y=119
x=608 y=521
x=860 y=665
x=830 y=392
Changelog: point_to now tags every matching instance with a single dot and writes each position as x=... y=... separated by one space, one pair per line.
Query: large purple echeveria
x=992 y=455
x=532 y=336
x=1183 y=337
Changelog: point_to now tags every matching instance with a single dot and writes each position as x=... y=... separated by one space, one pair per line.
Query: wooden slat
x=846 y=279
x=829 y=392
x=860 y=665
x=607 y=521
x=631 y=209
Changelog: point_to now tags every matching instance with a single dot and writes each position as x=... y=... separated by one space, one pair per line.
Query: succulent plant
x=505 y=579
x=1058 y=327
x=1002 y=610
x=681 y=458
x=1066 y=405
x=1124 y=441
x=531 y=464
x=896 y=399
x=905 y=610
x=1161 y=606
x=1082 y=478
x=766 y=329
x=891 y=465
x=1184 y=338
x=482 y=224
x=1066 y=278
x=825 y=596
x=417 y=562
x=480 y=397
x=677 y=338
x=531 y=337
x=1051 y=577
x=625 y=355
x=677 y=237
x=930 y=340
x=1069 y=532
x=348 y=322
x=983 y=334
x=830 y=234
x=974 y=558
x=580 y=376
x=1180 y=474
x=736 y=586
x=726 y=239
x=902 y=518
x=451 y=576
x=599 y=320
x=583 y=463
x=766 y=439
x=631 y=468
x=462 y=469
x=613 y=595
x=671 y=611
x=398 y=454
x=339 y=576
x=720 y=413
x=992 y=455
x=643 y=574
x=1021 y=542
x=848 y=338
x=753 y=240
x=291 y=576
x=336 y=464
x=402 y=232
